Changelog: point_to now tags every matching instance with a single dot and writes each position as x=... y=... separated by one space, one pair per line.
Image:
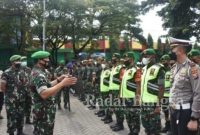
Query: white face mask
x=145 y=61
x=103 y=66
x=24 y=64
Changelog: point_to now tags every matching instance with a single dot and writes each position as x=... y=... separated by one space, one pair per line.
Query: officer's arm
x=47 y=92
x=161 y=84
x=195 y=83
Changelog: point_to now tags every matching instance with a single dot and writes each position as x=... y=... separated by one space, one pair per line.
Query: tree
x=180 y=16
x=114 y=44
x=126 y=43
x=150 y=41
x=166 y=47
x=160 y=47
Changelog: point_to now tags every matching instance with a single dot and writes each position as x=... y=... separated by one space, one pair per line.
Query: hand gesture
x=68 y=81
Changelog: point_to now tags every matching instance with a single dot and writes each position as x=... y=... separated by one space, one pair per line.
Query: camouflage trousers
x=15 y=114
x=43 y=119
x=65 y=96
x=28 y=104
x=150 y=121
x=132 y=116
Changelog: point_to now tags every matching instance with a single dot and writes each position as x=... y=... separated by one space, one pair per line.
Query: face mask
x=103 y=66
x=24 y=64
x=17 y=65
x=173 y=56
x=127 y=63
x=46 y=65
x=145 y=61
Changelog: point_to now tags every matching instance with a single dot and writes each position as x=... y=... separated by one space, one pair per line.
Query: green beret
x=40 y=55
x=129 y=54
x=15 y=58
x=61 y=62
x=117 y=55
x=23 y=58
x=149 y=51
x=194 y=52
x=165 y=57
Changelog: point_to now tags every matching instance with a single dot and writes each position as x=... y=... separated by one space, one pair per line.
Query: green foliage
x=180 y=16
x=150 y=41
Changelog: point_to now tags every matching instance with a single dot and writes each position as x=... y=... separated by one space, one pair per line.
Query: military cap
x=165 y=57
x=178 y=42
x=61 y=62
x=40 y=55
x=23 y=58
x=117 y=55
x=15 y=58
x=194 y=52
x=149 y=51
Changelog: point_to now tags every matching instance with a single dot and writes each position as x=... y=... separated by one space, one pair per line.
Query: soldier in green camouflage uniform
x=42 y=92
x=12 y=84
x=194 y=55
x=58 y=72
x=27 y=94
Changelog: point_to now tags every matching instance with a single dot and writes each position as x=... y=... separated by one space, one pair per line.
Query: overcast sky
x=152 y=23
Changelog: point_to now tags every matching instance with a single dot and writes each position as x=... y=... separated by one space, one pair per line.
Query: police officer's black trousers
x=1 y=100
x=179 y=121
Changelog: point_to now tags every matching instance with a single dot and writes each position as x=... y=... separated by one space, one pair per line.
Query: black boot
x=59 y=107
x=109 y=120
x=28 y=121
x=166 y=128
x=104 y=119
x=118 y=128
x=65 y=106
x=113 y=126
x=11 y=134
x=101 y=114
x=20 y=131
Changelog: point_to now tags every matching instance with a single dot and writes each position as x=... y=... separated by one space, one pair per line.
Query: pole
x=44 y=25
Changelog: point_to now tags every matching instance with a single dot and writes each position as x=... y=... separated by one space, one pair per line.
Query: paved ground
x=80 y=121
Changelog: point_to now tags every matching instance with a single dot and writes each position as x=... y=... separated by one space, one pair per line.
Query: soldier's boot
x=118 y=127
x=166 y=128
x=28 y=121
x=20 y=131
x=59 y=107
x=97 y=113
x=113 y=126
x=101 y=114
x=65 y=105
x=108 y=120
x=11 y=134
x=105 y=118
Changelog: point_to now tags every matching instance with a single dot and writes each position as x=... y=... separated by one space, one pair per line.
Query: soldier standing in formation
x=194 y=55
x=185 y=90
x=129 y=92
x=152 y=90
x=43 y=92
x=27 y=92
x=165 y=62
x=12 y=84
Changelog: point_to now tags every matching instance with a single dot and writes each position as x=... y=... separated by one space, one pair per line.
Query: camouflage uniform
x=58 y=72
x=43 y=110
x=14 y=98
x=27 y=93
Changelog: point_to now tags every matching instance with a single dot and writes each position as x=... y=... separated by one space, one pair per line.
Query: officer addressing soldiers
x=185 y=90
x=43 y=92
x=12 y=83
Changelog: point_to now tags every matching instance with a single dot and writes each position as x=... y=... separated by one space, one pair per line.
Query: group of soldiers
x=133 y=90
x=139 y=92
